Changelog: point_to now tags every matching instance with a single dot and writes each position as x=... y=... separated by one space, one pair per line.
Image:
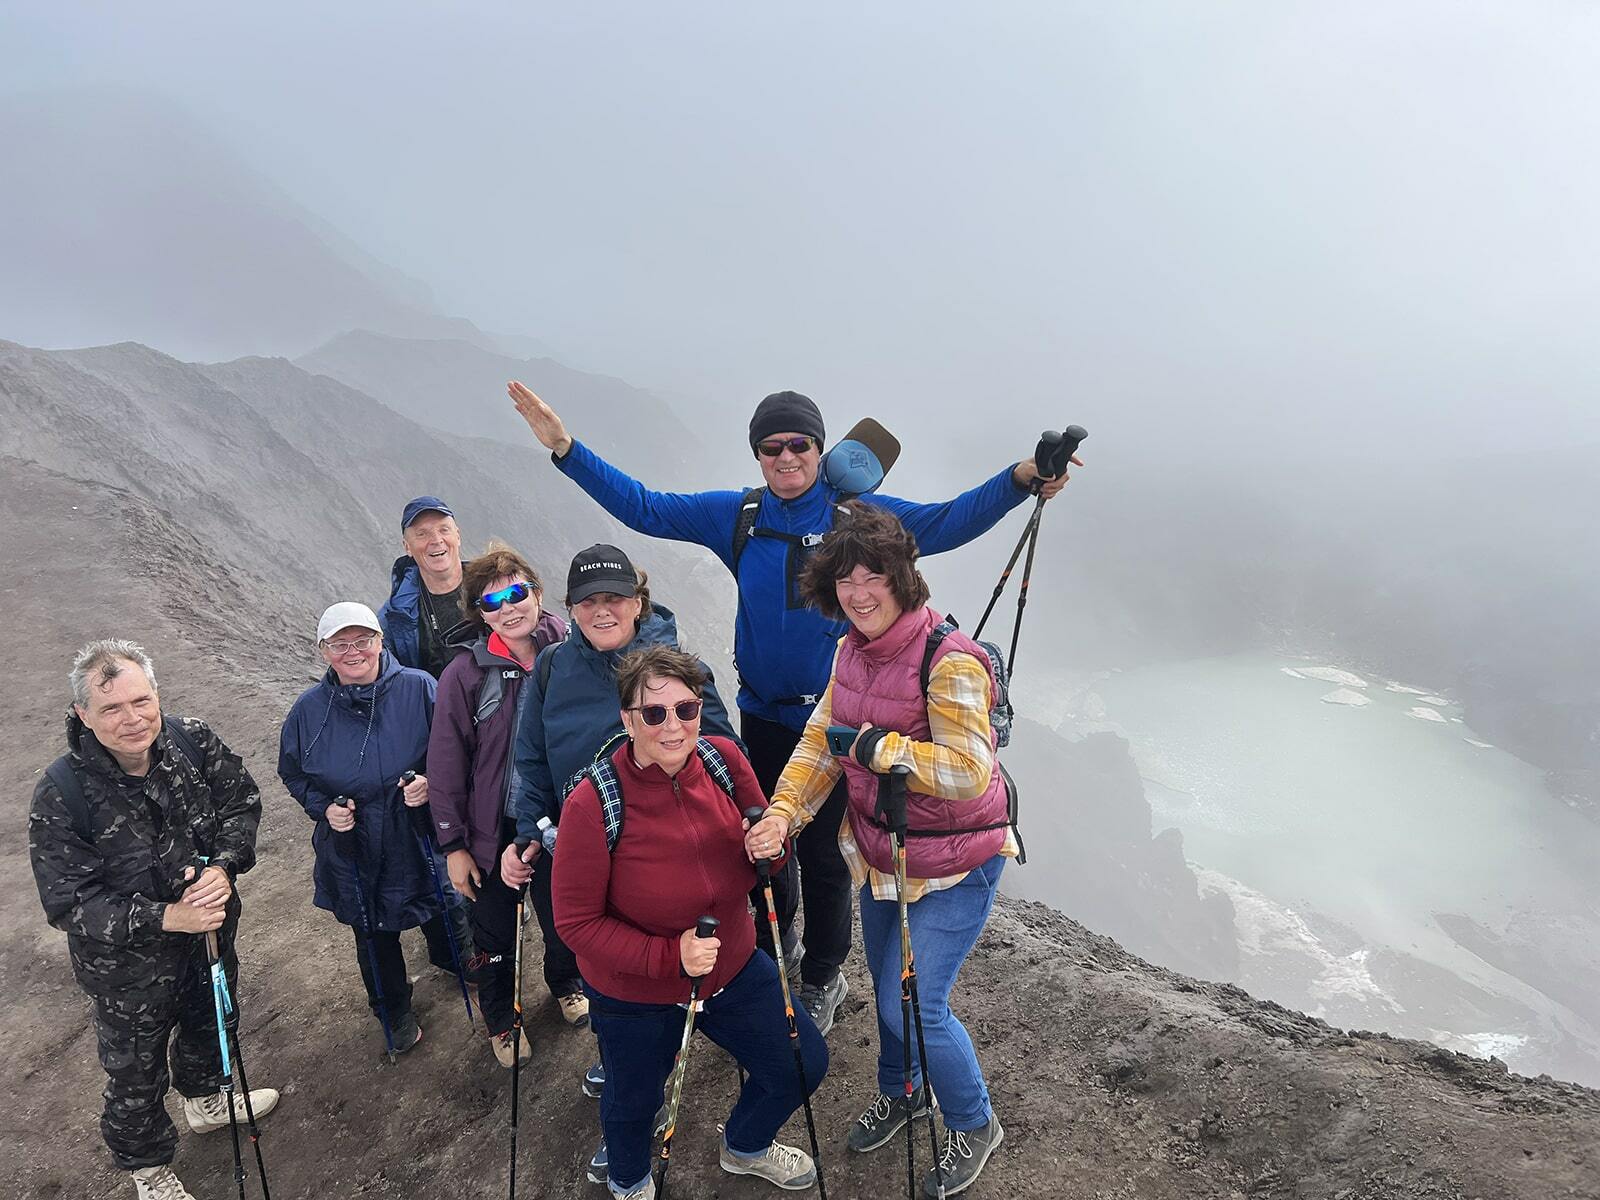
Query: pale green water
x=1364 y=814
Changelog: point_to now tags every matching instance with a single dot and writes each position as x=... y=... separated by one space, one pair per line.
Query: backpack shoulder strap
x=66 y=780
x=181 y=739
x=936 y=637
x=543 y=666
x=491 y=688
x=749 y=507
x=716 y=766
x=606 y=785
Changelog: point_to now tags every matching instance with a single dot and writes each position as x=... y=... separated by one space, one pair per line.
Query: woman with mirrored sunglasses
x=569 y=713
x=469 y=761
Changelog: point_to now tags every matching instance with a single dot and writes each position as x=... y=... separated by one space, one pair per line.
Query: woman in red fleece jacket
x=629 y=914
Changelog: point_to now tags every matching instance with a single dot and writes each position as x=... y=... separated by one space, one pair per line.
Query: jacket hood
x=388 y=668
x=660 y=628
x=403 y=566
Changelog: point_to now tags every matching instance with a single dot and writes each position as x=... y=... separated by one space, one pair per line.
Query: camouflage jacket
x=109 y=891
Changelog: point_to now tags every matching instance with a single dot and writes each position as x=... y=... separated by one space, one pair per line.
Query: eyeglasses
x=515 y=594
x=362 y=644
x=656 y=714
x=773 y=447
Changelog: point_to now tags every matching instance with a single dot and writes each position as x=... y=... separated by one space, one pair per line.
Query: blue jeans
x=944 y=928
x=638 y=1043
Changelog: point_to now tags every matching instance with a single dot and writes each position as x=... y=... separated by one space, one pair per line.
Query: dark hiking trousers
x=392 y=962
x=494 y=929
x=825 y=888
x=638 y=1043
x=134 y=1029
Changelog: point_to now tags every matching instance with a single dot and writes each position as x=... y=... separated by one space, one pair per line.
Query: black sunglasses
x=656 y=714
x=515 y=594
x=773 y=447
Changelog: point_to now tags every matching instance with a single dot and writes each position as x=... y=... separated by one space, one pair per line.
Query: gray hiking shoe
x=962 y=1158
x=885 y=1117
x=823 y=1002
x=785 y=1166
x=159 y=1183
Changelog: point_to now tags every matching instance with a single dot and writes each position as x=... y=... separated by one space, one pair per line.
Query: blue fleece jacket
x=783 y=649
x=562 y=727
x=356 y=740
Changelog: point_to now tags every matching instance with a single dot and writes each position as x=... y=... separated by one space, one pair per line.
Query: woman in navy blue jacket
x=341 y=753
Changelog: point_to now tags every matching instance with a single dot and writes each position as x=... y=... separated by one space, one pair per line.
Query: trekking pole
x=1051 y=457
x=516 y=1027
x=422 y=826
x=223 y=1003
x=348 y=847
x=892 y=810
x=764 y=873
x=703 y=928
x=228 y=1028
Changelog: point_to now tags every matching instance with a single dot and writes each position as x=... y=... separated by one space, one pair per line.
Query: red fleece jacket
x=681 y=856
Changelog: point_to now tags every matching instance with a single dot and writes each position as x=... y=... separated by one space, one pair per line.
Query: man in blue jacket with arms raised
x=783 y=649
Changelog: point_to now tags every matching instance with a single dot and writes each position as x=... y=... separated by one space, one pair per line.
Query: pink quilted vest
x=878 y=682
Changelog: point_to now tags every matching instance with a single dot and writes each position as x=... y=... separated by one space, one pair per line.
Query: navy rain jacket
x=357 y=740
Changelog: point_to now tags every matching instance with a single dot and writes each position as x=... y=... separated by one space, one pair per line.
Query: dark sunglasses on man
x=515 y=594
x=656 y=714
x=772 y=447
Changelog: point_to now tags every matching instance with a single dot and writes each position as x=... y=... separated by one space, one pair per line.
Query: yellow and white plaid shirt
x=955 y=765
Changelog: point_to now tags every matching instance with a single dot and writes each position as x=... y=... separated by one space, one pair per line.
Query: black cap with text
x=598 y=569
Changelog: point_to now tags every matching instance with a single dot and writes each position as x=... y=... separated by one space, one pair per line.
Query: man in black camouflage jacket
x=136 y=837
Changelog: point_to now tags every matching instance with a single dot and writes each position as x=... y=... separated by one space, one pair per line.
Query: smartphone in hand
x=840 y=739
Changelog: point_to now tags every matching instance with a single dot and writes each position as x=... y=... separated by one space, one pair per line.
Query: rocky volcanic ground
x=1115 y=1079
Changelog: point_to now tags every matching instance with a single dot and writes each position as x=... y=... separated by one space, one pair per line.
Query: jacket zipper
x=699 y=857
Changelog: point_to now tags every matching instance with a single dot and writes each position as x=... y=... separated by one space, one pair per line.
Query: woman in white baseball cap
x=342 y=753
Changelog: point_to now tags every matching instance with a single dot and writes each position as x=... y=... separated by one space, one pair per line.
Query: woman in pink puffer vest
x=865 y=573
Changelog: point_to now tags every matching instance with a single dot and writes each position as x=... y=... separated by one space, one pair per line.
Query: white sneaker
x=207 y=1113
x=159 y=1183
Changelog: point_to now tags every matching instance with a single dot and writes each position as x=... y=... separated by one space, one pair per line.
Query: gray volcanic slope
x=147 y=498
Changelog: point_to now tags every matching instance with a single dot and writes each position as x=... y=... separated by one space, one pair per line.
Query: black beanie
x=786 y=412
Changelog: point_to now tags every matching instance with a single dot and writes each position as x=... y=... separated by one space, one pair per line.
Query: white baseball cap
x=342 y=616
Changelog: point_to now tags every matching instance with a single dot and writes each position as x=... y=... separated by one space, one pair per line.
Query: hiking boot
x=574 y=1009
x=885 y=1117
x=599 y=1169
x=159 y=1183
x=505 y=1053
x=644 y=1191
x=785 y=1166
x=823 y=1002
x=407 y=1033
x=205 y=1113
x=594 y=1082
x=962 y=1158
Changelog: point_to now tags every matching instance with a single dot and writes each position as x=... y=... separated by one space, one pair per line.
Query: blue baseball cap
x=420 y=505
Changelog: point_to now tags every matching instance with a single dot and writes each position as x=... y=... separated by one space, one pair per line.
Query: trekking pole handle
x=706 y=927
x=408 y=778
x=753 y=814
x=1055 y=450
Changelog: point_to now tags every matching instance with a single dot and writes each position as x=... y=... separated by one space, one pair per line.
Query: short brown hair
x=657 y=662
x=642 y=591
x=864 y=535
x=498 y=561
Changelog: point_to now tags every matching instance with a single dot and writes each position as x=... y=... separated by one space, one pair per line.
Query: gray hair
x=102 y=662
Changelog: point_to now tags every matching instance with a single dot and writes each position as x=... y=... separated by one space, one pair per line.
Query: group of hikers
x=466 y=749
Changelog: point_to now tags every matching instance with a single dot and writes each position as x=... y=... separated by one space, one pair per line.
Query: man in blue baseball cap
x=425 y=586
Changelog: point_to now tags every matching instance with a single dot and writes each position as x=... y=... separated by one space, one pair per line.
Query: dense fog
x=1320 y=280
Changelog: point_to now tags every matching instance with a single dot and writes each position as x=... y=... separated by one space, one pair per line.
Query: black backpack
x=745 y=527
x=66 y=780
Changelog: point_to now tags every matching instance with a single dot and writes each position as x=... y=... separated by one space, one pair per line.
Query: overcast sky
x=1258 y=224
